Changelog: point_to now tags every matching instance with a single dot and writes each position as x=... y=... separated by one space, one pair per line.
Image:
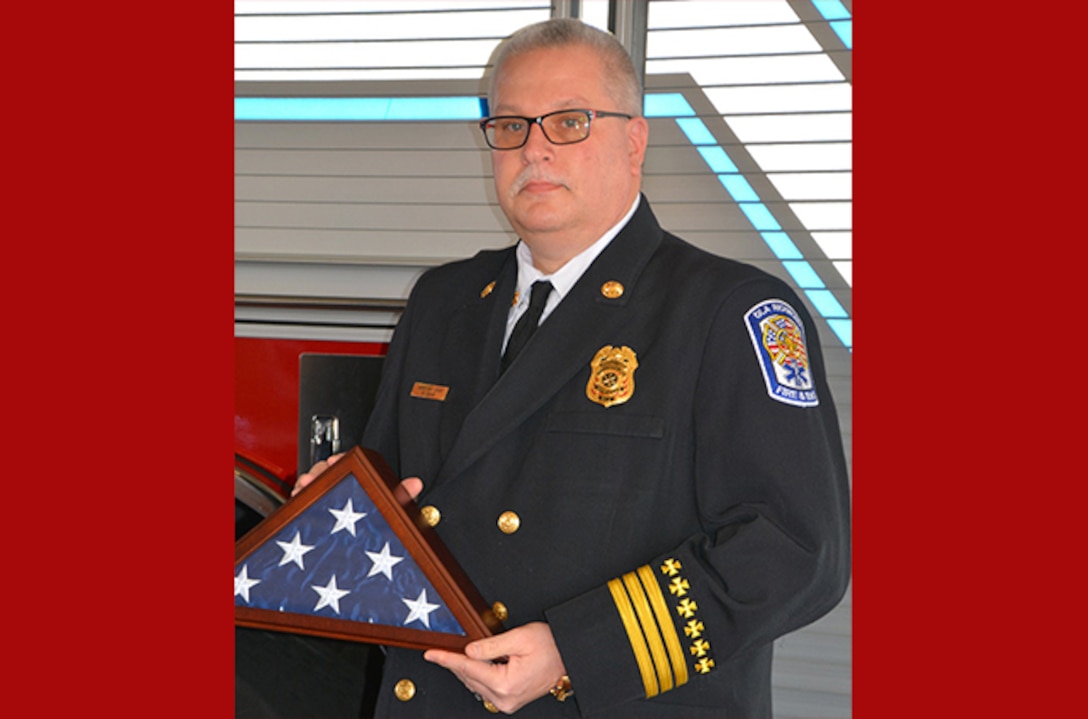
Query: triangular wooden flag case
x=350 y=557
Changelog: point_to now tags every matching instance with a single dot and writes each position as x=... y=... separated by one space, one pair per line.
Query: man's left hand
x=510 y=669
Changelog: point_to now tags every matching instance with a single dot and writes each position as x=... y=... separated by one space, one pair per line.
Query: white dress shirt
x=562 y=279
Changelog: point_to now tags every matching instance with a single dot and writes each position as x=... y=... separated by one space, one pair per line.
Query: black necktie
x=527 y=323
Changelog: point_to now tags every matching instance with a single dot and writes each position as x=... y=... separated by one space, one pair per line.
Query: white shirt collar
x=565 y=277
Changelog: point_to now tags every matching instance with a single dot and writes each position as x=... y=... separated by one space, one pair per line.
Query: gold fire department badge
x=612 y=375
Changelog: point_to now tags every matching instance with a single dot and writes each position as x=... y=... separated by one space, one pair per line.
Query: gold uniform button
x=431 y=515
x=509 y=522
x=612 y=289
x=500 y=611
x=405 y=689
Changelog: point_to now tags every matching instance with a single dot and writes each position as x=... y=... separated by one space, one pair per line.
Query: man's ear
x=638 y=135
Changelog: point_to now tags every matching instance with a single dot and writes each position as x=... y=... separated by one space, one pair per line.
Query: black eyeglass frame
x=530 y=121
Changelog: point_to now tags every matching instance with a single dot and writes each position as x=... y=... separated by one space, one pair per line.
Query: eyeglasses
x=564 y=127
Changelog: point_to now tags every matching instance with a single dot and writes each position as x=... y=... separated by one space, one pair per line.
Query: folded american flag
x=340 y=558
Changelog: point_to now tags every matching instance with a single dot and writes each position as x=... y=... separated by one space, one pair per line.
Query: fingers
x=493 y=649
x=510 y=669
x=307 y=477
x=412 y=485
x=483 y=679
x=453 y=661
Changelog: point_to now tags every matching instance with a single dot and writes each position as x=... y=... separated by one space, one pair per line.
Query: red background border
x=118 y=308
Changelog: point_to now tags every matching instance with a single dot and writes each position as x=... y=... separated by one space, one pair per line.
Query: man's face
x=562 y=198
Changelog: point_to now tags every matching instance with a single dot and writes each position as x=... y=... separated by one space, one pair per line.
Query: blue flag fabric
x=340 y=559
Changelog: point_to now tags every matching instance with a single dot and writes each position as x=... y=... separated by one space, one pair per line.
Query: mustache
x=534 y=174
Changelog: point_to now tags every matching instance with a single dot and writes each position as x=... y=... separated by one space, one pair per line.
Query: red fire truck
x=296 y=401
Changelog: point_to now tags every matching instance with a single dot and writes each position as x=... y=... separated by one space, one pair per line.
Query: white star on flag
x=383 y=562
x=294 y=550
x=242 y=583
x=330 y=595
x=346 y=518
x=420 y=609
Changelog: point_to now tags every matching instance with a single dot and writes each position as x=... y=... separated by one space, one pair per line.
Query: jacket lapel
x=474 y=337
x=561 y=347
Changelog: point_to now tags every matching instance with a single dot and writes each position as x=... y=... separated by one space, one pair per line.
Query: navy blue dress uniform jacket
x=667 y=539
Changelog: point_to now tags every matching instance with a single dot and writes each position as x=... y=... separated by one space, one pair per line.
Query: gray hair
x=621 y=79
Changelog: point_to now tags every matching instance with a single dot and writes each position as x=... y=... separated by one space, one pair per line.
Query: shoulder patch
x=779 y=341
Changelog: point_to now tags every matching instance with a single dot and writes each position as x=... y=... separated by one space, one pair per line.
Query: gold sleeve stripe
x=664 y=621
x=634 y=635
x=649 y=628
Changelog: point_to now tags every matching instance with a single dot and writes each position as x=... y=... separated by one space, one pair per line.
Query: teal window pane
x=758 y=214
x=782 y=246
x=739 y=188
x=825 y=303
x=666 y=104
x=845 y=30
x=696 y=130
x=844 y=330
x=803 y=274
x=357 y=109
x=717 y=159
x=832 y=9
x=435 y=108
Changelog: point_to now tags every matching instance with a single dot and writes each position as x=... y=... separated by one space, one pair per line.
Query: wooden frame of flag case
x=423 y=544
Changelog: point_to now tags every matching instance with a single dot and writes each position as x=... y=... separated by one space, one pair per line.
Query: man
x=654 y=489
